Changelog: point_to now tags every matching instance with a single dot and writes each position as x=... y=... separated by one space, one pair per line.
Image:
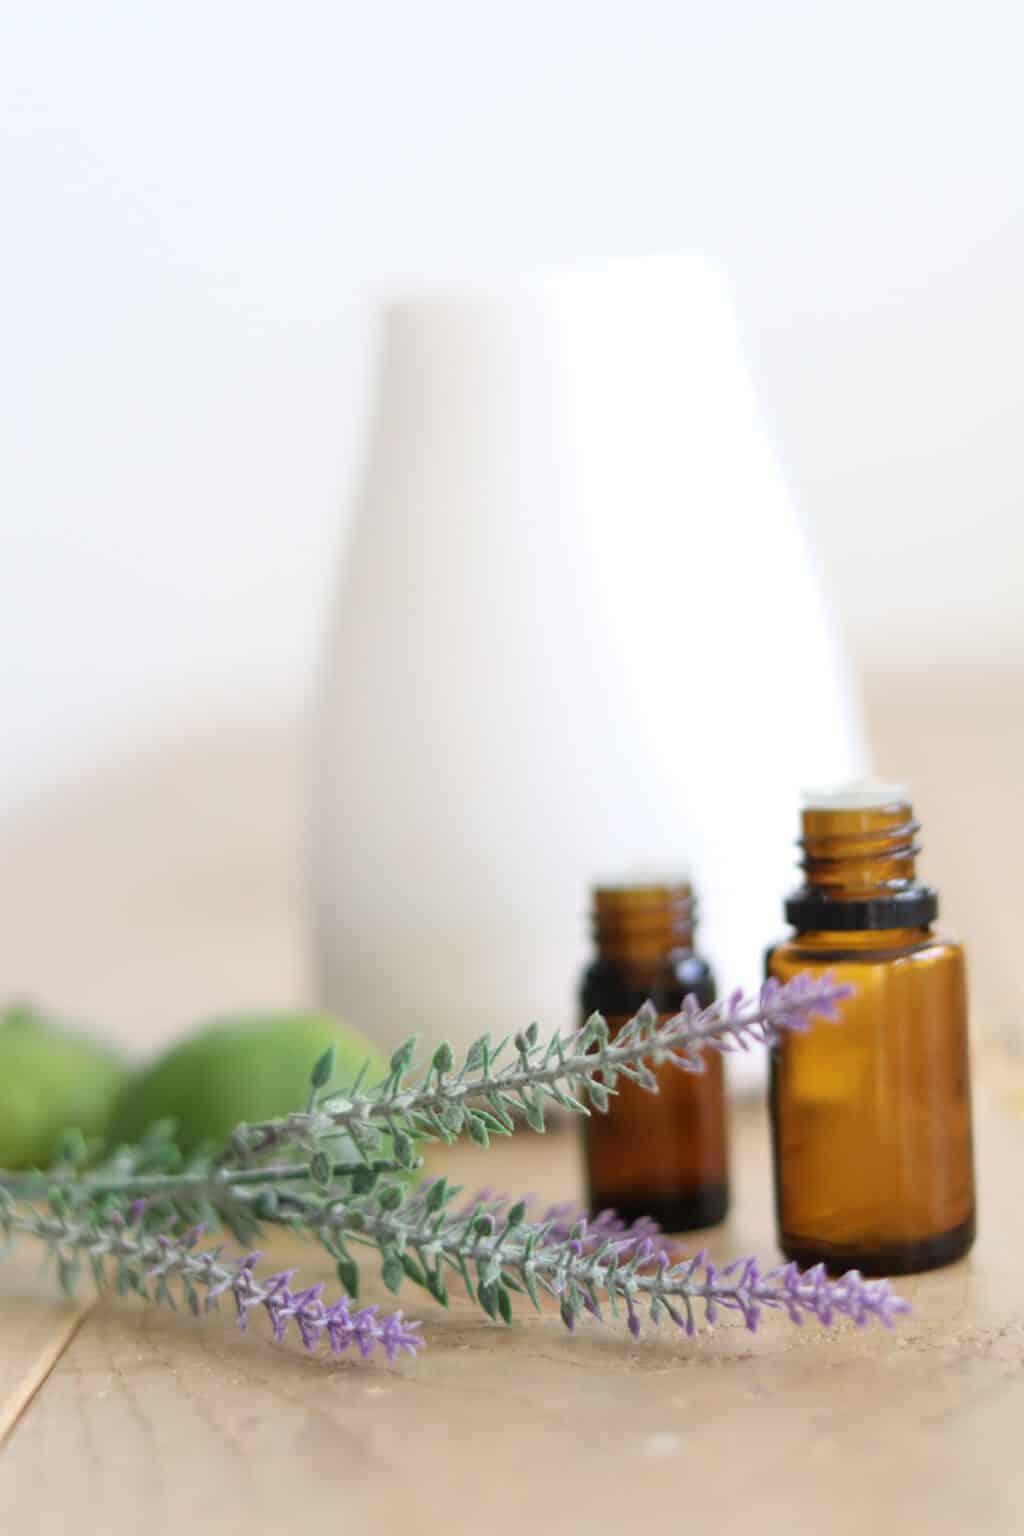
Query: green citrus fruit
x=50 y=1080
x=252 y=1068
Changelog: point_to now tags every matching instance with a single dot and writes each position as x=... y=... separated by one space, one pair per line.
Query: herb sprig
x=138 y=1216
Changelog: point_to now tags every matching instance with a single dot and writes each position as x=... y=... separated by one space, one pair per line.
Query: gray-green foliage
x=287 y=1172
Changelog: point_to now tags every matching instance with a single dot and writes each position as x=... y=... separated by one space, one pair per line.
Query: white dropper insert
x=859 y=795
x=631 y=876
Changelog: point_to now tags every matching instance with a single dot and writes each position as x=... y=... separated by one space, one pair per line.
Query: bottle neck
x=860 y=871
x=860 y=853
x=640 y=926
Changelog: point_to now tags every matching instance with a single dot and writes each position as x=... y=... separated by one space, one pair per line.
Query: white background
x=197 y=202
x=197 y=198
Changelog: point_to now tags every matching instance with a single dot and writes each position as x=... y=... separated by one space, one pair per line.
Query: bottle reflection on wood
x=662 y=1155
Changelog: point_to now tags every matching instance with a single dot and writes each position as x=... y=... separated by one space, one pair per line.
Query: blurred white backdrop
x=198 y=200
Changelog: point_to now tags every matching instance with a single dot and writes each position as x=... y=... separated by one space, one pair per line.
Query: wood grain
x=153 y=1422
x=35 y=1329
x=135 y=1420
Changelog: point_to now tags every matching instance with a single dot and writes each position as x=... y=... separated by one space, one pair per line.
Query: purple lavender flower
x=742 y=1287
x=576 y=1258
x=149 y=1262
x=343 y=1324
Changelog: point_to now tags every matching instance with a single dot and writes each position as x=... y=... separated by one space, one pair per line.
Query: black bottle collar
x=810 y=910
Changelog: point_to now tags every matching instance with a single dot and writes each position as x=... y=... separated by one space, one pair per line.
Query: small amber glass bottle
x=871 y=1116
x=661 y=1155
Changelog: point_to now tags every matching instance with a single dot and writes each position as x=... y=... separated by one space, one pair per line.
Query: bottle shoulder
x=869 y=947
x=611 y=988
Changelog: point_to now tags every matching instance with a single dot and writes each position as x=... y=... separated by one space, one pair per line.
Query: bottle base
x=893 y=1259
x=681 y=1213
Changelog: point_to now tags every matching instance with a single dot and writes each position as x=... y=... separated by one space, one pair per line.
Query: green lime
x=252 y=1068
x=50 y=1080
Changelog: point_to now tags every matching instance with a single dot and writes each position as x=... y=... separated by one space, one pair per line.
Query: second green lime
x=251 y=1068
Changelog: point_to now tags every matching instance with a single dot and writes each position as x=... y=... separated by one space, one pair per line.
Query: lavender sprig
x=444 y=1103
x=587 y=1262
x=423 y=1235
x=147 y=1264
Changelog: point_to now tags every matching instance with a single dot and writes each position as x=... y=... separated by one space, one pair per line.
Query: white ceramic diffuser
x=579 y=633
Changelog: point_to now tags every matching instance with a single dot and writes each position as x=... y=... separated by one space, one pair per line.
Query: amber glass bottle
x=661 y=1155
x=871 y=1117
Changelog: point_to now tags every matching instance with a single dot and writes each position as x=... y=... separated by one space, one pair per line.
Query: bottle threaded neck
x=853 y=853
x=642 y=921
x=858 y=858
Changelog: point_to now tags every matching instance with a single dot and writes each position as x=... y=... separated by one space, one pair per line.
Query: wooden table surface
x=117 y=1418
x=120 y=1418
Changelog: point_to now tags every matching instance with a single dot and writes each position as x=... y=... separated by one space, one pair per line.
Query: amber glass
x=662 y=1155
x=871 y=1116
